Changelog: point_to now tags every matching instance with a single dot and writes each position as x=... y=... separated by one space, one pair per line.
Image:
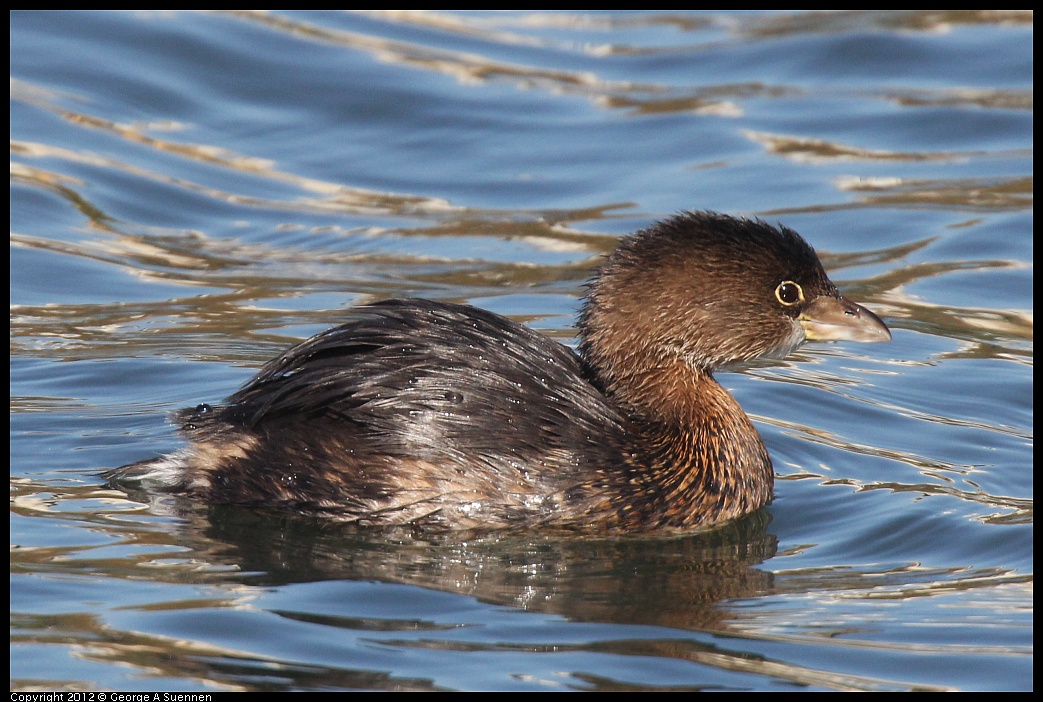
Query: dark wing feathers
x=427 y=379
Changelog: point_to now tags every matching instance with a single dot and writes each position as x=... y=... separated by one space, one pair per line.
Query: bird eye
x=789 y=293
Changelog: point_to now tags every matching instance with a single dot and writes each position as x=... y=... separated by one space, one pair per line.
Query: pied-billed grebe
x=446 y=416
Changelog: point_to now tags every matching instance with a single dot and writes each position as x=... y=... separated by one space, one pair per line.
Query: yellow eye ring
x=789 y=293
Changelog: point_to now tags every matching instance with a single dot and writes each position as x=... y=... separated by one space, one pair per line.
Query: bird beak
x=839 y=319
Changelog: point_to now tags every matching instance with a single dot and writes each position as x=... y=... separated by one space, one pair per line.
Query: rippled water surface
x=191 y=193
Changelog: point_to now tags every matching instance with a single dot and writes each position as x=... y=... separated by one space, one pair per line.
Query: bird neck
x=697 y=452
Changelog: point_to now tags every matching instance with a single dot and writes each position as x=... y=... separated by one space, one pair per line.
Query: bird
x=441 y=416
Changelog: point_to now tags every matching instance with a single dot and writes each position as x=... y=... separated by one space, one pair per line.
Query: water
x=191 y=193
